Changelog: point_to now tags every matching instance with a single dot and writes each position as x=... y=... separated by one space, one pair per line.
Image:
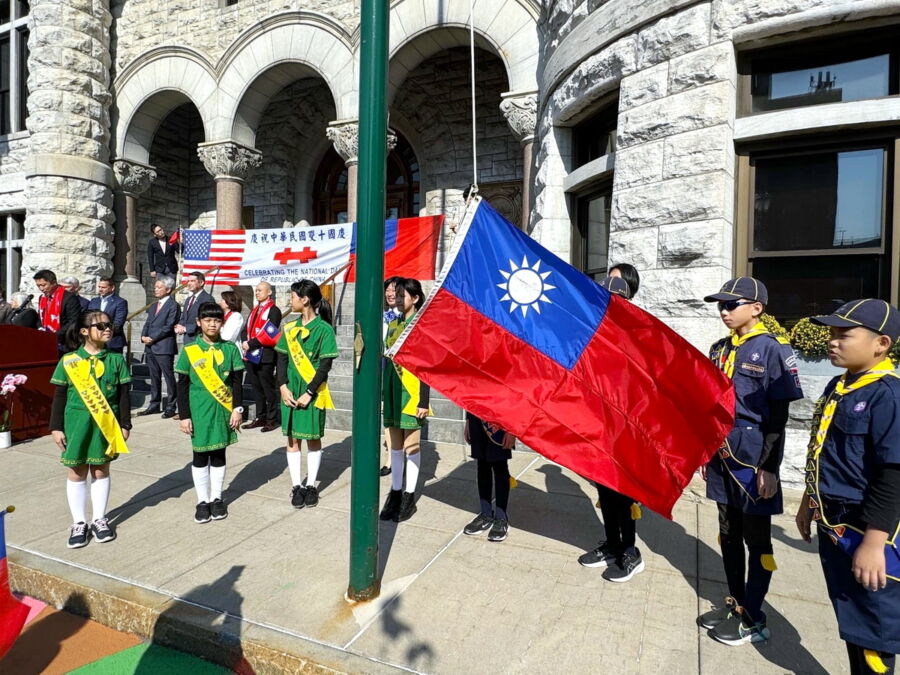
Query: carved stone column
x=231 y=164
x=520 y=111
x=344 y=134
x=132 y=179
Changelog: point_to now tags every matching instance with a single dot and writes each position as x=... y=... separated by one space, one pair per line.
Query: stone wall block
x=637 y=247
x=678 y=294
x=698 y=152
x=695 y=244
x=715 y=63
x=729 y=14
x=679 y=200
x=700 y=331
x=639 y=164
x=644 y=86
x=673 y=35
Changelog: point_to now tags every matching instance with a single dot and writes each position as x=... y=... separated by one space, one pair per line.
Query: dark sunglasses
x=102 y=325
x=732 y=305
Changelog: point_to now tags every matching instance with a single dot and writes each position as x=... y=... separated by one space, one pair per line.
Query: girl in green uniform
x=405 y=409
x=209 y=404
x=306 y=349
x=90 y=420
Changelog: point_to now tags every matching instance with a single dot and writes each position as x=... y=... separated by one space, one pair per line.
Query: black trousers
x=858 y=665
x=617 y=521
x=262 y=379
x=493 y=476
x=749 y=573
x=162 y=366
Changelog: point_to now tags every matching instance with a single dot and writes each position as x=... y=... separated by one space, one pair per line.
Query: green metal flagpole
x=373 y=57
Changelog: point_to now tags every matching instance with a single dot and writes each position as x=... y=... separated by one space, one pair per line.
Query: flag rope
x=474 y=189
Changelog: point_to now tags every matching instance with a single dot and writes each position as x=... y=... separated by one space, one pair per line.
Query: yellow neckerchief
x=726 y=360
x=82 y=373
x=202 y=363
x=410 y=382
x=304 y=366
x=822 y=423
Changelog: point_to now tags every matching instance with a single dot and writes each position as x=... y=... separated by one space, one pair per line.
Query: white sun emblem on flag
x=525 y=286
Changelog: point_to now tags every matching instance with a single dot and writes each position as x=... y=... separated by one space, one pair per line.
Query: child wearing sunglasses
x=743 y=477
x=90 y=420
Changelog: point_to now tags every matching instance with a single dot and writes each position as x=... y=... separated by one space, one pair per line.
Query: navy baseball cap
x=876 y=315
x=616 y=285
x=746 y=288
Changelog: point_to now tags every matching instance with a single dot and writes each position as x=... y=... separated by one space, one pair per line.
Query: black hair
x=306 y=288
x=45 y=275
x=233 y=300
x=412 y=287
x=73 y=338
x=153 y=227
x=388 y=282
x=630 y=275
x=210 y=310
x=108 y=280
x=199 y=275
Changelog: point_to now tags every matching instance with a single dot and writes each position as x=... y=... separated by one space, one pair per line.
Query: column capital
x=229 y=160
x=133 y=178
x=520 y=111
x=344 y=134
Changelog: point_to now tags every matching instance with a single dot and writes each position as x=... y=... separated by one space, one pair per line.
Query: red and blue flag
x=517 y=336
x=268 y=337
x=410 y=247
x=12 y=612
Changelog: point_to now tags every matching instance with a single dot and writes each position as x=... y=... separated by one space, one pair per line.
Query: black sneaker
x=218 y=510
x=481 y=523
x=298 y=496
x=78 y=535
x=602 y=556
x=202 y=514
x=312 y=496
x=391 y=505
x=714 y=617
x=385 y=471
x=738 y=629
x=628 y=564
x=407 y=507
x=102 y=531
x=499 y=530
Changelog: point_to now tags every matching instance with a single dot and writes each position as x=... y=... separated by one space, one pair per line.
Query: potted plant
x=7 y=389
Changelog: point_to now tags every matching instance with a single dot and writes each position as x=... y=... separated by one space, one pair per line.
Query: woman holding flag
x=305 y=350
x=405 y=409
x=90 y=420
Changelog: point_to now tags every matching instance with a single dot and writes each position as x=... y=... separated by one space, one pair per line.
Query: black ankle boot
x=391 y=505
x=407 y=507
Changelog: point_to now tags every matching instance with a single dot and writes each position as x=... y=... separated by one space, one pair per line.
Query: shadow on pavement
x=170 y=486
x=419 y=654
x=256 y=473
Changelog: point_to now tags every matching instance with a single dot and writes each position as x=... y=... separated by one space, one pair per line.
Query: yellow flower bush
x=810 y=339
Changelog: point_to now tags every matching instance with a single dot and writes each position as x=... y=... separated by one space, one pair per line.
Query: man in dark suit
x=73 y=286
x=160 y=253
x=158 y=337
x=262 y=374
x=58 y=309
x=187 y=326
x=115 y=307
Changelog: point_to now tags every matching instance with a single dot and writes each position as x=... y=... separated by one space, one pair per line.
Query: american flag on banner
x=205 y=249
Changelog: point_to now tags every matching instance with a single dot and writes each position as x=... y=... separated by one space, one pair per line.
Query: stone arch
x=147 y=93
x=504 y=27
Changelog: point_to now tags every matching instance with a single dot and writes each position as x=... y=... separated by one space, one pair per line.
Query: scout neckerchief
x=51 y=308
x=410 y=382
x=202 y=363
x=845 y=536
x=258 y=318
x=303 y=365
x=729 y=354
x=83 y=373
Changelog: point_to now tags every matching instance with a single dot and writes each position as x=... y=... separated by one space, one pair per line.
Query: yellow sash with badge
x=303 y=365
x=79 y=371
x=413 y=387
x=202 y=363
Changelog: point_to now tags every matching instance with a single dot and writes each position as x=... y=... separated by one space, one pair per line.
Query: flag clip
x=358 y=346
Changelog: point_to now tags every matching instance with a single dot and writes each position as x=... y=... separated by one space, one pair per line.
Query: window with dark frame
x=596 y=136
x=13 y=65
x=591 y=241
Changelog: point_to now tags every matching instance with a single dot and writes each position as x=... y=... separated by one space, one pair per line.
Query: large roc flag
x=515 y=335
x=12 y=612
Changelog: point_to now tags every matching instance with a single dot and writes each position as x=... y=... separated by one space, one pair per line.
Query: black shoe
x=255 y=424
x=78 y=535
x=270 y=426
x=102 y=531
x=481 y=523
x=407 y=507
x=385 y=471
x=714 y=617
x=218 y=510
x=202 y=514
x=312 y=496
x=629 y=564
x=169 y=414
x=499 y=530
x=149 y=411
x=602 y=556
x=738 y=629
x=298 y=496
x=391 y=505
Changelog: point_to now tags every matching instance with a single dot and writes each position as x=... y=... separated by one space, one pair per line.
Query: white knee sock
x=100 y=496
x=216 y=482
x=294 y=466
x=397 y=469
x=313 y=462
x=76 y=493
x=412 y=471
x=201 y=482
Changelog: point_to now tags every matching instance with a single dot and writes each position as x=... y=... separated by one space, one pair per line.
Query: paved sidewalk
x=449 y=603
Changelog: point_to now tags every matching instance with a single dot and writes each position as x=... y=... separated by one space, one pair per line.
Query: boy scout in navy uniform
x=743 y=478
x=853 y=483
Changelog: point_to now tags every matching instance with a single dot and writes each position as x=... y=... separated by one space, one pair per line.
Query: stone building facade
x=694 y=139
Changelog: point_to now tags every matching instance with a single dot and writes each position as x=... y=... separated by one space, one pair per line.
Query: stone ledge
x=69 y=166
x=601 y=167
x=174 y=623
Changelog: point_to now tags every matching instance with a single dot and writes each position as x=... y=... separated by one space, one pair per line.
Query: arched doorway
x=402 y=199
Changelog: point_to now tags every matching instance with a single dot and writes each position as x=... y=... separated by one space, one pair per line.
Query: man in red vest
x=58 y=308
x=262 y=374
